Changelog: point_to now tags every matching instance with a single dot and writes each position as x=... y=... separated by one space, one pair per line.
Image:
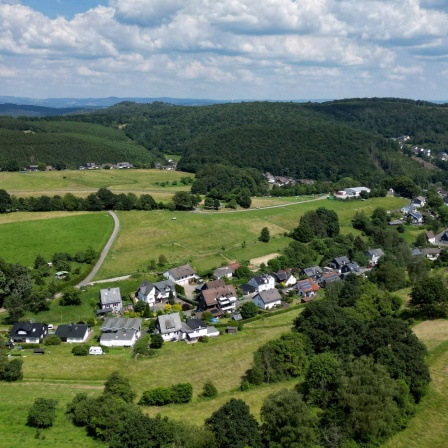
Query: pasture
x=47 y=233
x=82 y=183
x=211 y=239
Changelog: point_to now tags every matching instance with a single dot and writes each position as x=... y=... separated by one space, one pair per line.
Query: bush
x=80 y=350
x=160 y=396
x=42 y=413
x=29 y=345
x=12 y=371
x=141 y=347
x=156 y=341
x=209 y=390
x=204 y=339
x=53 y=340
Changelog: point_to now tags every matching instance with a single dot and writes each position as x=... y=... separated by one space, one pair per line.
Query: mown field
x=209 y=239
x=88 y=181
x=47 y=233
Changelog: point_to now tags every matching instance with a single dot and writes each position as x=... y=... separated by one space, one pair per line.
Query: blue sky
x=64 y=8
x=241 y=49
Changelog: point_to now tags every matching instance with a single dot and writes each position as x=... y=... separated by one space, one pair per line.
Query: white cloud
x=251 y=44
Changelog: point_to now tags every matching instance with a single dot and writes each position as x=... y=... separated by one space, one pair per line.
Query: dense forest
x=322 y=141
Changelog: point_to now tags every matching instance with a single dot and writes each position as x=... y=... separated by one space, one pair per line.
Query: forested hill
x=313 y=140
x=16 y=110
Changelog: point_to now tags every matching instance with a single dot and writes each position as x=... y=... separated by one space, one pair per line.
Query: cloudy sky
x=224 y=49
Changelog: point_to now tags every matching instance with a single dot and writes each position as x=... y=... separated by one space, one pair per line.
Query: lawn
x=23 y=240
x=208 y=240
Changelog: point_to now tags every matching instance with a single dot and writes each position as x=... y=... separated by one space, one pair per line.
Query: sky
x=224 y=49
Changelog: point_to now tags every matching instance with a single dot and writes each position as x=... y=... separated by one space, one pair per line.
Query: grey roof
x=110 y=295
x=270 y=296
x=113 y=324
x=418 y=199
x=223 y=271
x=182 y=271
x=408 y=208
x=340 y=261
x=374 y=252
x=313 y=271
x=146 y=287
x=261 y=279
x=431 y=251
x=163 y=285
x=415 y=214
x=120 y=335
x=416 y=252
x=169 y=323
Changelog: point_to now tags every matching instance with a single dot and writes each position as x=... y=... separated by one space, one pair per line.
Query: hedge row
x=160 y=396
x=183 y=298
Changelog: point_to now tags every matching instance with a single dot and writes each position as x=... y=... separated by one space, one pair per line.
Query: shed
x=39 y=351
x=232 y=330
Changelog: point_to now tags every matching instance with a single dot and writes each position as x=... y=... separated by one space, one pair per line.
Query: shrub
x=156 y=341
x=204 y=339
x=160 y=396
x=53 y=340
x=141 y=347
x=209 y=390
x=29 y=345
x=12 y=371
x=80 y=350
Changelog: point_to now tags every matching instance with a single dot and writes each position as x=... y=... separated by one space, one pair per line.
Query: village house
x=373 y=255
x=350 y=268
x=314 y=272
x=355 y=192
x=182 y=275
x=415 y=217
x=223 y=272
x=338 y=262
x=73 y=332
x=110 y=299
x=263 y=282
x=267 y=300
x=430 y=237
x=286 y=278
x=419 y=201
x=157 y=292
x=307 y=289
x=28 y=333
x=431 y=253
x=218 y=300
x=119 y=332
x=327 y=278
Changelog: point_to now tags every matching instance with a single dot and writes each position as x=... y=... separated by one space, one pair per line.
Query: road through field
x=104 y=252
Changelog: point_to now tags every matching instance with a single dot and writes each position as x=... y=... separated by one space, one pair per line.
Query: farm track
x=104 y=252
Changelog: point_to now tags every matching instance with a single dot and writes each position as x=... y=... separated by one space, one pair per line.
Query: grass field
x=224 y=360
x=22 y=240
x=61 y=375
x=209 y=239
x=85 y=182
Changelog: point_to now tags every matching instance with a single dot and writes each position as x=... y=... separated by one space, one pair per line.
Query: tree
x=207 y=316
x=39 y=262
x=430 y=297
x=265 y=235
x=140 y=306
x=184 y=200
x=243 y=200
x=248 y=310
x=162 y=260
x=71 y=296
x=5 y=201
x=156 y=341
x=120 y=387
x=41 y=166
x=53 y=339
x=12 y=371
x=234 y=426
x=208 y=202
x=42 y=413
x=242 y=272
x=80 y=350
x=287 y=421
x=209 y=390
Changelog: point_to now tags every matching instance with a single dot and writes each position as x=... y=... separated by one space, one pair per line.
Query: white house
x=73 y=332
x=267 y=300
x=29 y=333
x=263 y=282
x=415 y=217
x=430 y=237
x=354 y=192
x=286 y=277
x=373 y=255
x=153 y=293
x=110 y=299
x=224 y=271
x=119 y=332
x=193 y=329
x=182 y=275
x=169 y=326
x=419 y=201
x=307 y=288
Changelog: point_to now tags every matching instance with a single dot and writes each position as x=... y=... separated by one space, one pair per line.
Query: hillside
x=323 y=141
x=15 y=110
x=66 y=142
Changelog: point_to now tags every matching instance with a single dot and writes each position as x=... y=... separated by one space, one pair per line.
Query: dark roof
x=65 y=331
x=340 y=261
x=246 y=288
x=146 y=287
x=195 y=324
x=30 y=330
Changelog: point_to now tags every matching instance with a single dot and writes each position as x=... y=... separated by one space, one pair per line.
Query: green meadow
x=210 y=239
x=85 y=182
x=23 y=240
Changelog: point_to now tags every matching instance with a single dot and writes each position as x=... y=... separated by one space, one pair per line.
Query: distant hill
x=16 y=110
x=323 y=141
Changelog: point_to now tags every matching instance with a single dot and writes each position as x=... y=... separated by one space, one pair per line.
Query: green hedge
x=183 y=298
x=160 y=396
x=28 y=345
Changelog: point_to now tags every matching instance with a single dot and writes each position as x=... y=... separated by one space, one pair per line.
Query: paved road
x=104 y=252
